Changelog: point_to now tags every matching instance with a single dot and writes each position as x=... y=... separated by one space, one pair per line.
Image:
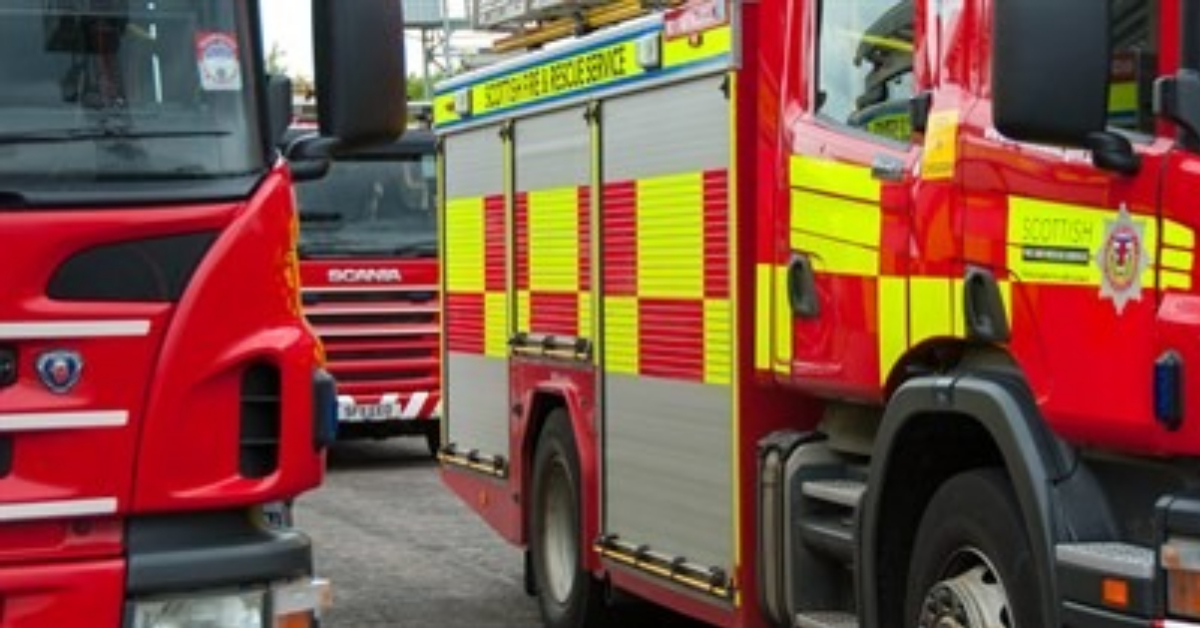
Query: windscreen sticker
x=941 y=145
x=220 y=64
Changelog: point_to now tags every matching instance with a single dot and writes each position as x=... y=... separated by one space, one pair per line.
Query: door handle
x=802 y=287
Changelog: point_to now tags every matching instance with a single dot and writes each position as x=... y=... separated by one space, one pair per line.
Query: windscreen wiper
x=62 y=136
x=309 y=216
x=416 y=249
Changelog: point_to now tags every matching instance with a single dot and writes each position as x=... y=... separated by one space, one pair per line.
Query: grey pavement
x=404 y=552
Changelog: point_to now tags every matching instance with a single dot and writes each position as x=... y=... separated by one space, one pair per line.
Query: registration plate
x=369 y=412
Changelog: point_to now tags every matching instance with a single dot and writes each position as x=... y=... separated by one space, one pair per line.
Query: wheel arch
x=543 y=401
x=933 y=428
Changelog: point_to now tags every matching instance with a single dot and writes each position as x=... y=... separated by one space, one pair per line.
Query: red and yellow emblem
x=1122 y=259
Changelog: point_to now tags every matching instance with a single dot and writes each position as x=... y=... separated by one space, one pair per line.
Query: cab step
x=810 y=494
x=827 y=525
x=843 y=492
x=832 y=619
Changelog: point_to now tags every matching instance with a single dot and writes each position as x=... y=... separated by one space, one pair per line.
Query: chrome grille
x=378 y=340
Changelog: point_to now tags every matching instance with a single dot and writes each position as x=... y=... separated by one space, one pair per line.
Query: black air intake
x=153 y=270
x=261 y=415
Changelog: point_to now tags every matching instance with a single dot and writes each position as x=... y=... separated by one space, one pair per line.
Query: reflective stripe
x=762 y=317
x=835 y=178
x=46 y=421
x=893 y=323
x=1177 y=235
x=930 y=309
x=621 y=335
x=841 y=236
x=524 y=316
x=783 y=323
x=584 y=314
x=74 y=329
x=1176 y=259
x=464 y=245
x=553 y=242
x=670 y=236
x=718 y=342
x=1175 y=280
x=711 y=44
x=58 y=509
x=496 y=316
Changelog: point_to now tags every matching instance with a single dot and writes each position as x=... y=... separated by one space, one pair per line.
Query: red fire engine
x=368 y=267
x=819 y=313
x=157 y=381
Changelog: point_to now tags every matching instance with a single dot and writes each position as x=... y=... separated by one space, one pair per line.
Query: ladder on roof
x=582 y=21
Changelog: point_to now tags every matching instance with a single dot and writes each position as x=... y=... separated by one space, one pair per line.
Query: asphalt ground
x=402 y=551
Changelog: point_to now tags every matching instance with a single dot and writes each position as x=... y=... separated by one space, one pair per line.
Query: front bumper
x=220 y=564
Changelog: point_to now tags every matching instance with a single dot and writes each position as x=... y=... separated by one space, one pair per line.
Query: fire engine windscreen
x=97 y=90
x=370 y=207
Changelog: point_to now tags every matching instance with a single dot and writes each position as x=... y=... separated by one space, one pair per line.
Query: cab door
x=1078 y=243
x=850 y=159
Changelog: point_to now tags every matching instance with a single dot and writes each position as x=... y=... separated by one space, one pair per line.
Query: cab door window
x=1135 y=57
x=865 y=78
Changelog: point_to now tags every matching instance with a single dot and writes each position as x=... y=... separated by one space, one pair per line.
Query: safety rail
x=710 y=580
x=551 y=346
x=495 y=466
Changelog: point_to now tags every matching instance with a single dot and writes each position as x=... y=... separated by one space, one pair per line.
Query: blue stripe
x=645 y=76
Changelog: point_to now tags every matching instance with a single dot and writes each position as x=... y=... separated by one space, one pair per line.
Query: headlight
x=295 y=604
x=203 y=610
x=1181 y=563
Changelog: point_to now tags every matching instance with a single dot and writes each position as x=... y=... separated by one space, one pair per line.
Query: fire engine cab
x=819 y=313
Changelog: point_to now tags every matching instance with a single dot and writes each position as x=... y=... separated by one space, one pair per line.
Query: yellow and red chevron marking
x=553 y=261
x=666 y=277
x=476 y=297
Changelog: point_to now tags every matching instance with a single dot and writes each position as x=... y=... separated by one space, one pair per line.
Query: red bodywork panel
x=158 y=394
x=378 y=319
x=1089 y=362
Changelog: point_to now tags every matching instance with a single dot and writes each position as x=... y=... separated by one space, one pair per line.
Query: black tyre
x=433 y=440
x=972 y=564
x=568 y=595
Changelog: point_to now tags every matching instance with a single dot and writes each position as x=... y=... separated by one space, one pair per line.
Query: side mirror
x=1050 y=70
x=309 y=156
x=1178 y=99
x=359 y=65
x=279 y=106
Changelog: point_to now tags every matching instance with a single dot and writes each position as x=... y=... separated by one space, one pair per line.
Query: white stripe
x=416 y=403
x=39 y=421
x=58 y=509
x=74 y=329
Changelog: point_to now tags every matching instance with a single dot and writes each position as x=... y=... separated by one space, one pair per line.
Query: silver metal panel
x=477 y=410
x=680 y=128
x=553 y=150
x=668 y=443
x=475 y=163
x=669 y=467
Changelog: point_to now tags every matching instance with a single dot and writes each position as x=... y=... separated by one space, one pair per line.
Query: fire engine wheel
x=433 y=441
x=568 y=595
x=972 y=564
